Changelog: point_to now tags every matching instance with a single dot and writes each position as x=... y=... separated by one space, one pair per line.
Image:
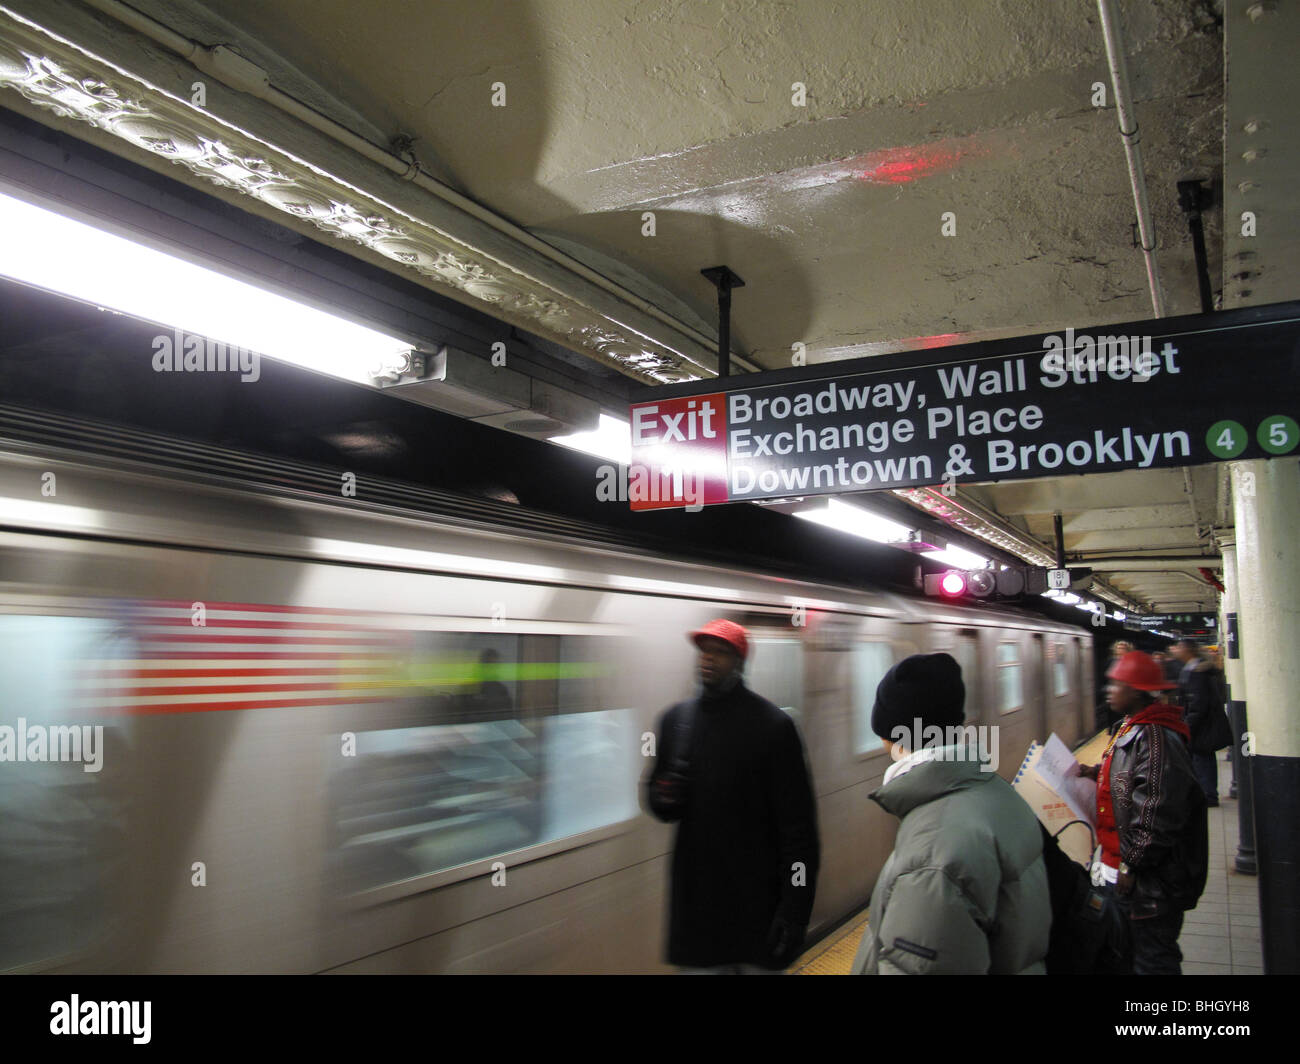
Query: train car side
x=357 y=740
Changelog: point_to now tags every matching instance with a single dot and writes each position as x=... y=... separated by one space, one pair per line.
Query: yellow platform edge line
x=834 y=955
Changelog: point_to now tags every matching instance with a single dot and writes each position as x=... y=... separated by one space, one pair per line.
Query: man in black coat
x=730 y=772
x=1203 y=694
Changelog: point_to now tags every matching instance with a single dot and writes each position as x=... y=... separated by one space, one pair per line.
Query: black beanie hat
x=927 y=687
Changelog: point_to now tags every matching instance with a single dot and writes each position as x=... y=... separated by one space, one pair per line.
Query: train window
x=775 y=671
x=1060 y=671
x=591 y=759
x=870 y=663
x=62 y=770
x=516 y=747
x=1010 y=678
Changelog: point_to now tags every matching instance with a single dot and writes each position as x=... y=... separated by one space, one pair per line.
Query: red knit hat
x=1141 y=671
x=728 y=631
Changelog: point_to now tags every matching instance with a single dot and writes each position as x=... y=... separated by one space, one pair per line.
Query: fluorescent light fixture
x=857 y=522
x=1120 y=616
x=50 y=251
x=612 y=440
x=957 y=558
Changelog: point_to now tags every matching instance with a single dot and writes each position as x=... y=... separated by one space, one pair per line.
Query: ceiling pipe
x=232 y=69
x=1150 y=564
x=1128 y=131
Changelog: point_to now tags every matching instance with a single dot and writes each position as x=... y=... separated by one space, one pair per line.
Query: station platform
x=1221 y=936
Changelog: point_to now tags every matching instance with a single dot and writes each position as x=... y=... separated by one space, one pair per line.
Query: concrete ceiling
x=830 y=205
x=830 y=211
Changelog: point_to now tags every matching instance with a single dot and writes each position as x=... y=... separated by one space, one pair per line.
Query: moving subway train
x=256 y=731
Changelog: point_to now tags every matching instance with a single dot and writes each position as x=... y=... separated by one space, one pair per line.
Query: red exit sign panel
x=679 y=453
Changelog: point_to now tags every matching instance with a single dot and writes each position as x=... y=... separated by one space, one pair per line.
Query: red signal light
x=953 y=583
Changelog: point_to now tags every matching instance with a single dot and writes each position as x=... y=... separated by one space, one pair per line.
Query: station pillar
x=1235 y=672
x=1266 y=502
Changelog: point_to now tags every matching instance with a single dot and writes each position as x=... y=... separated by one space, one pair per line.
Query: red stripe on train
x=222 y=707
x=199 y=636
x=222 y=689
x=203 y=674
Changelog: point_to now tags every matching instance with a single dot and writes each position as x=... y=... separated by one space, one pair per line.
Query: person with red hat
x=1153 y=844
x=730 y=773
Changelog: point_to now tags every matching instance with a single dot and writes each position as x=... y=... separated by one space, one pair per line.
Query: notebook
x=1074 y=835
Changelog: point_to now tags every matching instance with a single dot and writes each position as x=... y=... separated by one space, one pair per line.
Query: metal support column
x=1266 y=501
x=1234 y=668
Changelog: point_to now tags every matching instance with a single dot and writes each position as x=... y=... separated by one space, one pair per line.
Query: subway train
x=253 y=730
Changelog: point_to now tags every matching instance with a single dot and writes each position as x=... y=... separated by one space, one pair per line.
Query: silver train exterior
x=344 y=738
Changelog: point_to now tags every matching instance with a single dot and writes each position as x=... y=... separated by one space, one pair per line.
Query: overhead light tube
x=57 y=253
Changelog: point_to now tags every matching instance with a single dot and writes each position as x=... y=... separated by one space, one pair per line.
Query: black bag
x=670 y=787
x=1090 y=935
x=1220 y=730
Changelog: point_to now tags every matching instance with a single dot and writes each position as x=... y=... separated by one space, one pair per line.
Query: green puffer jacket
x=965 y=890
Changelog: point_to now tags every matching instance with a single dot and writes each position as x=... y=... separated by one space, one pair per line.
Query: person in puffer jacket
x=965 y=890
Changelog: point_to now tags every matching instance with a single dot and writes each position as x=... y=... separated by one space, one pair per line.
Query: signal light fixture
x=993 y=584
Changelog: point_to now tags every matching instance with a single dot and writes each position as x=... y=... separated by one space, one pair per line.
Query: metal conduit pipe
x=228 y=67
x=1149 y=564
x=1128 y=130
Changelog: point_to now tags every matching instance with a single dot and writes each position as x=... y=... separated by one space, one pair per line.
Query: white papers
x=1057 y=768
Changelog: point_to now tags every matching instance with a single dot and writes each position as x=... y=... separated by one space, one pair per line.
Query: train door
x=1012 y=696
x=1087 y=690
x=1041 y=685
x=1062 y=714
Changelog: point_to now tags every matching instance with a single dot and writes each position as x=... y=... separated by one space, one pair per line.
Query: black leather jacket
x=1161 y=820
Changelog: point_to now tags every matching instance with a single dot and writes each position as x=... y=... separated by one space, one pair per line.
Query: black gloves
x=784 y=942
x=668 y=794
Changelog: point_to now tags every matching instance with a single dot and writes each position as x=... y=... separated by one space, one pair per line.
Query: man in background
x=1203 y=695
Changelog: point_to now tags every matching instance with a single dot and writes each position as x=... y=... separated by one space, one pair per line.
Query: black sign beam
x=1140 y=395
